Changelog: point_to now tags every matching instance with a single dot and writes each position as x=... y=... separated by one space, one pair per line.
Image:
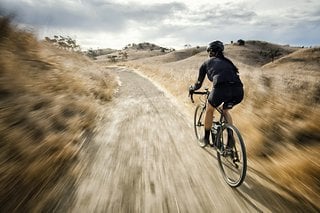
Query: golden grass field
x=50 y=101
x=279 y=116
x=49 y=104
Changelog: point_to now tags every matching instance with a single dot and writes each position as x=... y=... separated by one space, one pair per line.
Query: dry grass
x=279 y=115
x=49 y=103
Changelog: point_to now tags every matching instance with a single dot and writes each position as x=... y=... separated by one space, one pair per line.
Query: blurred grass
x=49 y=102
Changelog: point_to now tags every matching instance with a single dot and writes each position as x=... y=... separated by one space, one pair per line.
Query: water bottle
x=215 y=128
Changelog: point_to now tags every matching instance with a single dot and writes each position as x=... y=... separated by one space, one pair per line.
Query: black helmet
x=215 y=46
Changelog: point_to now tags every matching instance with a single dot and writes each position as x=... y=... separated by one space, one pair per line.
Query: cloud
x=200 y=26
x=175 y=24
x=234 y=14
x=88 y=15
x=233 y=21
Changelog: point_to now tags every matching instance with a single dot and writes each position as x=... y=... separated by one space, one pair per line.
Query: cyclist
x=227 y=87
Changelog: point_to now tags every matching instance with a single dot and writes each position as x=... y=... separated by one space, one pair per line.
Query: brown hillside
x=133 y=52
x=177 y=55
x=253 y=53
x=297 y=74
x=303 y=59
x=257 y=53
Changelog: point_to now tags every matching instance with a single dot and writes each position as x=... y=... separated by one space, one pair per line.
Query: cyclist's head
x=215 y=48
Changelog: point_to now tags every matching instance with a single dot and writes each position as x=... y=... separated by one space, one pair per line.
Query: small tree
x=112 y=58
x=125 y=55
x=274 y=53
x=64 y=42
x=241 y=42
x=91 y=54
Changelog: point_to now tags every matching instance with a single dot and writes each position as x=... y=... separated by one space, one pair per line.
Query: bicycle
x=226 y=140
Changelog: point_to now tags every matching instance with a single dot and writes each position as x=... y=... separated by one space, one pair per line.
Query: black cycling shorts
x=229 y=96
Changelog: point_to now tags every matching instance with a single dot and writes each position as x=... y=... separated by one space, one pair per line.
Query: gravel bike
x=226 y=140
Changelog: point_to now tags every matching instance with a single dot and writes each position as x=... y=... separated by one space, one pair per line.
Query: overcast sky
x=169 y=23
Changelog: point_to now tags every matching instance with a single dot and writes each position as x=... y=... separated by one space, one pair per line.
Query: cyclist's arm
x=202 y=75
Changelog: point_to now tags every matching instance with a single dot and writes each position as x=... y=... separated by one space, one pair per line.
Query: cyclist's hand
x=191 y=90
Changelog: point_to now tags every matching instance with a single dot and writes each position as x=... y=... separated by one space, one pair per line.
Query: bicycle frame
x=232 y=161
x=220 y=122
x=219 y=109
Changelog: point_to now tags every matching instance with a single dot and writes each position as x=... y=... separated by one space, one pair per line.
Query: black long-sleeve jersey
x=220 y=71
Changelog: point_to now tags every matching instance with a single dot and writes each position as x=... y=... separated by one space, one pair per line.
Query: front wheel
x=199 y=124
x=232 y=156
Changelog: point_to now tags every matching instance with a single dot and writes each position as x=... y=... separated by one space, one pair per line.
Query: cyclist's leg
x=227 y=106
x=228 y=118
x=228 y=102
x=214 y=100
x=234 y=99
x=227 y=115
x=208 y=119
x=209 y=116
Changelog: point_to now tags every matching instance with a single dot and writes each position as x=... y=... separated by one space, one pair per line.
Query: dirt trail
x=145 y=159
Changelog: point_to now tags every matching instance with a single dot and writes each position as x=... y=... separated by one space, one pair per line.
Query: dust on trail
x=145 y=159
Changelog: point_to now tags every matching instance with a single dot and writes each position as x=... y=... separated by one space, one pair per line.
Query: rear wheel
x=232 y=156
x=199 y=124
